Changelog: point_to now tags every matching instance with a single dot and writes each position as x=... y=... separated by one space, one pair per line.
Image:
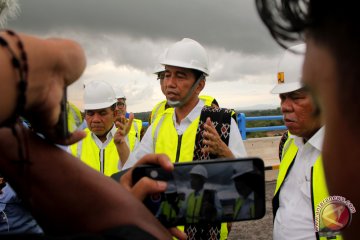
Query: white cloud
x=123 y=40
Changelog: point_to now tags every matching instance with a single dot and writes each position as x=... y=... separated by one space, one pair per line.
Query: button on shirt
x=294 y=217
x=236 y=144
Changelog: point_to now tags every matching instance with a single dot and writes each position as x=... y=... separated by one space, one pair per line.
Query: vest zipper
x=102 y=160
x=178 y=148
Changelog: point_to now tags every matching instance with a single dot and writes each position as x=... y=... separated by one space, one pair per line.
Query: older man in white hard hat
x=186 y=132
x=301 y=184
x=98 y=149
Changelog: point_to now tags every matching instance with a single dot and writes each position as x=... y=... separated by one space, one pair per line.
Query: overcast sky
x=123 y=40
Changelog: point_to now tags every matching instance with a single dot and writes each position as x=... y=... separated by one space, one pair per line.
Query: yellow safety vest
x=74 y=117
x=178 y=148
x=134 y=133
x=89 y=153
x=157 y=111
x=238 y=205
x=193 y=207
x=319 y=189
x=167 y=210
x=207 y=99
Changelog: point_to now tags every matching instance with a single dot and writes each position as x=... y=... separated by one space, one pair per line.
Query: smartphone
x=62 y=128
x=209 y=191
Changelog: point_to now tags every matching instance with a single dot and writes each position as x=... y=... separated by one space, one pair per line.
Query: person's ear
x=200 y=86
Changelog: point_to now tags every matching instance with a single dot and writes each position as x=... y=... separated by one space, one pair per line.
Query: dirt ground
x=256 y=229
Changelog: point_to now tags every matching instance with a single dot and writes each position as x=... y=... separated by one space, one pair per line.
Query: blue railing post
x=242 y=125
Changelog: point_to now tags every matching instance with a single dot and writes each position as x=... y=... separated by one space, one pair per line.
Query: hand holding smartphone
x=207 y=191
x=62 y=128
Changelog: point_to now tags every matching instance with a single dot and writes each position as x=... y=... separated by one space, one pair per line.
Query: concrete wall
x=267 y=149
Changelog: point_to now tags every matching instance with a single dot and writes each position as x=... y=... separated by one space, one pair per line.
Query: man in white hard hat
x=301 y=182
x=186 y=65
x=186 y=132
x=201 y=204
x=161 y=106
x=98 y=149
x=135 y=131
x=246 y=180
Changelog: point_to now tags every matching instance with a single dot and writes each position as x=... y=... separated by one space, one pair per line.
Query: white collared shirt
x=294 y=217
x=102 y=145
x=236 y=144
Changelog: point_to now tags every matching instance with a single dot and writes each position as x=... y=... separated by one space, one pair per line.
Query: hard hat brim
x=183 y=65
x=96 y=106
x=286 y=87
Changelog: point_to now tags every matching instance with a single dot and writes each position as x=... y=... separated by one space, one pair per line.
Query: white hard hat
x=187 y=53
x=158 y=69
x=290 y=70
x=98 y=95
x=199 y=170
x=118 y=92
x=242 y=168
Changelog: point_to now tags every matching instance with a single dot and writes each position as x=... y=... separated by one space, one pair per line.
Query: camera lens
x=154 y=174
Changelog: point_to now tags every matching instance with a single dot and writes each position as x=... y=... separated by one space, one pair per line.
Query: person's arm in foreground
x=52 y=65
x=146 y=186
x=66 y=196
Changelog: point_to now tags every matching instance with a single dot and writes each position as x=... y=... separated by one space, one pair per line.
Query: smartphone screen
x=207 y=191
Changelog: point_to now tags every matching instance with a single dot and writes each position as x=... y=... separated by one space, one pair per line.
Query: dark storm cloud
x=230 y=24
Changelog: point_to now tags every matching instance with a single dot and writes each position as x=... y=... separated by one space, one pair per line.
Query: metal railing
x=242 y=119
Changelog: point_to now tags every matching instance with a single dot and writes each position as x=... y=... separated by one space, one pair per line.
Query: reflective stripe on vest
x=289 y=153
x=166 y=138
x=193 y=207
x=74 y=117
x=319 y=189
x=238 y=205
x=208 y=100
x=89 y=153
x=157 y=110
x=134 y=133
x=167 y=210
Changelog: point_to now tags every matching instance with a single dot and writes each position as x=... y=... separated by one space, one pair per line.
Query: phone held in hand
x=208 y=191
x=62 y=127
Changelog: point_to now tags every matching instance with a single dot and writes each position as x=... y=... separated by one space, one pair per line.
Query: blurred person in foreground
x=58 y=189
x=332 y=35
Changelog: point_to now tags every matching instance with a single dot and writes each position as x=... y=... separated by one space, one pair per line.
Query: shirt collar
x=195 y=112
x=316 y=140
x=109 y=135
